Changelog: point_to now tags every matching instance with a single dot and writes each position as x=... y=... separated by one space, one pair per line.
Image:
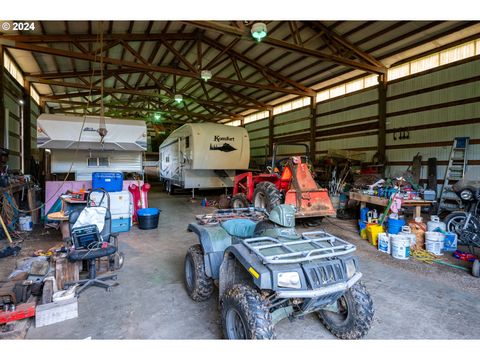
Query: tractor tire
x=199 y=286
x=355 y=317
x=240 y=201
x=245 y=314
x=476 y=268
x=266 y=195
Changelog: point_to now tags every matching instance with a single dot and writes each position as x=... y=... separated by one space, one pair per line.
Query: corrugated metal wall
x=348 y=122
x=13 y=141
x=434 y=107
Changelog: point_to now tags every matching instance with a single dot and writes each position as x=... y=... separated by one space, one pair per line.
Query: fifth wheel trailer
x=203 y=156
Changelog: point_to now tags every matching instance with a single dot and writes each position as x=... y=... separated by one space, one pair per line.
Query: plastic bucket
x=434 y=242
x=400 y=246
x=25 y=223
x=395 y=225
x=148 y=218
x=450 y=242
x=372 y=233
x=384 y=243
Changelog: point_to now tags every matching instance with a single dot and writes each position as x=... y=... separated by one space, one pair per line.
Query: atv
x=265 y=272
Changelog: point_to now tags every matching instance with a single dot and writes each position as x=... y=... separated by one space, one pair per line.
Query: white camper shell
x=203 y=156
x=63 y=135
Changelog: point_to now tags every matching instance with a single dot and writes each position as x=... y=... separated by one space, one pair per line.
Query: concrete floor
x=412 y=300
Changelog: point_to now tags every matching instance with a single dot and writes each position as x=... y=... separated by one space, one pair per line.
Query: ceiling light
x=21 y=102
x=157 y=116
x=259 y=31
x=206 y=75
x=178 y=98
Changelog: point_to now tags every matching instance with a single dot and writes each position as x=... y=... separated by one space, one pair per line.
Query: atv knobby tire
x=355 y=320
x=240 y=201
x=266 y=195
x=199 y=286
x=245 y=314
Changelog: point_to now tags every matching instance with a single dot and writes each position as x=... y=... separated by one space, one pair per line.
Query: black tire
x=266 y=195
x=356 y=316
x=262 y=226
x=245 y=314
x=455 y=219
x=476 y=268
x=240 y=201
x=199 y=286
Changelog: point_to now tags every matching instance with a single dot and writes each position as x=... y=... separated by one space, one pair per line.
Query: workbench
x=364 y=199
x=68 y=205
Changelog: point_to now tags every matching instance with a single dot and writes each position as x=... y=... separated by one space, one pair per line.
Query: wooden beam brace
x=147 y=67
x=179 y=56
x=338 y=38
x=212 y=25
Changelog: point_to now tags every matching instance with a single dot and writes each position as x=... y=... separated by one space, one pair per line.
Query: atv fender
x=214 y=241
x=261 y=275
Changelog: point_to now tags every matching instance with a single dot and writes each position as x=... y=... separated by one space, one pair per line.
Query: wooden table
x=68 y=205
x=364 y=199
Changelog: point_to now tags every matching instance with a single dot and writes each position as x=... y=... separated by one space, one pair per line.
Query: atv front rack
x=314 y=245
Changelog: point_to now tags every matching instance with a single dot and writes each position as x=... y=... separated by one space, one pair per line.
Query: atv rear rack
x=316 y=244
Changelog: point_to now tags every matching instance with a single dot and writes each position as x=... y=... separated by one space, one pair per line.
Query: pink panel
x=53 y=189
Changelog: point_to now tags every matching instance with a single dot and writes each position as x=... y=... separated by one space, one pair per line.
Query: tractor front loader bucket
x=304 y=193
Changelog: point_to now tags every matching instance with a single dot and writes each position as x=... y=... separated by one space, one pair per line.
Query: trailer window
x=98 y=161
x=187 y=142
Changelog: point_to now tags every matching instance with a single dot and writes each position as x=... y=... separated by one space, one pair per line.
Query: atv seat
x=242 y=228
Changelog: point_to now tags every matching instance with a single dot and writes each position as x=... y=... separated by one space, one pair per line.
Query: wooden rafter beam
x=212 y=25
x=76 y=105
x=256 y=65
x=147 y=67
x=338 y=38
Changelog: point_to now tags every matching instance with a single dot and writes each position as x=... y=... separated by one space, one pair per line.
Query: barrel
x=148 y=218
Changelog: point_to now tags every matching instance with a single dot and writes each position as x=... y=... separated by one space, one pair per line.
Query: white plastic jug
x=435 y=223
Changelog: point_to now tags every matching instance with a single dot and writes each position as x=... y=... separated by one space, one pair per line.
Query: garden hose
x=429 y=258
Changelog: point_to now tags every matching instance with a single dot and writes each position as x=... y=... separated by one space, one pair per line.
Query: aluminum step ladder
x=456 y=168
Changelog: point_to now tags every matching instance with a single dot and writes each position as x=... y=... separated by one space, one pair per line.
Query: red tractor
x=288 y=181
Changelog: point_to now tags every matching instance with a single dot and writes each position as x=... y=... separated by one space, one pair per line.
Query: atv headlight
x=350 y=267
x=289 y=280
x=466 y=194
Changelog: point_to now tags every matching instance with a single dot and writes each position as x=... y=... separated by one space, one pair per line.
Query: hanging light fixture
x=206 y=75
x=102 y=128
x=259 y=31
x=157 y=116
x=178 y=98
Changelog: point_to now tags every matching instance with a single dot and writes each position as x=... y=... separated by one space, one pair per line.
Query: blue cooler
x=121 y=223
x=110 y=181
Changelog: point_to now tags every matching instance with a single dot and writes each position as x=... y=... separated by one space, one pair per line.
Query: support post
x=382 y=118
x=27 y=128
x=2 y=100
x=270 y=132
x=313 y=127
